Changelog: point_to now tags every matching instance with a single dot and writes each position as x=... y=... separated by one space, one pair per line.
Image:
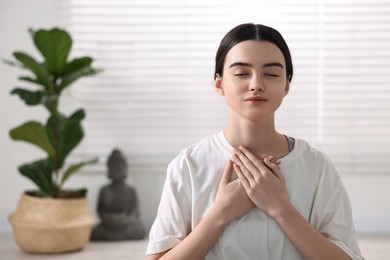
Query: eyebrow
x=244 y=64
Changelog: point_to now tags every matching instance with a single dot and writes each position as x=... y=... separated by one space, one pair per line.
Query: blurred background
x=156 y=94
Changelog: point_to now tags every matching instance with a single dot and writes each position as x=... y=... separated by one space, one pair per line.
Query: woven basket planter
x=45 y=225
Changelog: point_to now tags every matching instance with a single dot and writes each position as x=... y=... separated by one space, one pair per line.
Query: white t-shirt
x=314 y=188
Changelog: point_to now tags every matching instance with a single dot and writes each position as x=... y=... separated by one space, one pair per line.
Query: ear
x=218 y=85
x=287 y=89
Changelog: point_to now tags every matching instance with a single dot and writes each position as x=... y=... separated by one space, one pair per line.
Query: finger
x=274 y=160
x=243 y=169
x=274 y=168
x=227 y=173
x=252 y=163
x=248 y=160
x=244 y=151
x=244 y=181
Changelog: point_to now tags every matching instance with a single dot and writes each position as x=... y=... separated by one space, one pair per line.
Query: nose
x=256 y=85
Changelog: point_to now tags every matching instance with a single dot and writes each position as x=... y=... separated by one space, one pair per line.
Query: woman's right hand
x=231 y=198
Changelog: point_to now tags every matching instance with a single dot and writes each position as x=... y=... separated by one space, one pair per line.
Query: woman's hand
x=262 y=180
x=231 y=203
x=231 y=197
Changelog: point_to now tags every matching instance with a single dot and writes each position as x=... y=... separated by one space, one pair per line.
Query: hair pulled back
x=250 y=31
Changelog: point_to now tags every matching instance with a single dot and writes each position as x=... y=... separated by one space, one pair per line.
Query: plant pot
x=46 y=225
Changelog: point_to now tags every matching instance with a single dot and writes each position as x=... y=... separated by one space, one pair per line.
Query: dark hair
x=250 y=31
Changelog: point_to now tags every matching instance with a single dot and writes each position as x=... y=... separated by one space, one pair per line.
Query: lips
x=256 y=99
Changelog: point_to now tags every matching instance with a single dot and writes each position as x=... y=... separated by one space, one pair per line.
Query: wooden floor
x=374 y=247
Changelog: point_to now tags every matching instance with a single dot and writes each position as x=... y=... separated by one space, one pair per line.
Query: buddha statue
x=118 y=205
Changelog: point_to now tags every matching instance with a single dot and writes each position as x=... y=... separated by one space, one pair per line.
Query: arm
x=266 y=187
x=308 y=241
x=200 y=241
x=231 y=203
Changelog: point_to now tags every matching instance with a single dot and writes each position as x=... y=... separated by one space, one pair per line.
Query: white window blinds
x=356 y=81
x=156 y=94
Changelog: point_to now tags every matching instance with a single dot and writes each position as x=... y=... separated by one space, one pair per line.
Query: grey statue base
x=102 y=233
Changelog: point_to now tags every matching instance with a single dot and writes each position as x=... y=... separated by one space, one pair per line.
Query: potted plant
x=51 y=219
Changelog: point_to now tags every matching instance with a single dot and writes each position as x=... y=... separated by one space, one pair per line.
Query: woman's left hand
x=262 y=180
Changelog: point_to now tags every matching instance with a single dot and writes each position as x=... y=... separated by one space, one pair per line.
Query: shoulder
x=200 y=151
x=202 y=161
x=310 y=154
x=320 y=163
x=310 y=160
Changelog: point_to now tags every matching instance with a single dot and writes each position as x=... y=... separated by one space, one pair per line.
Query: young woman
x=249 y=192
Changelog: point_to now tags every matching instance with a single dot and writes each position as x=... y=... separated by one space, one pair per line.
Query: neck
x=260 y=138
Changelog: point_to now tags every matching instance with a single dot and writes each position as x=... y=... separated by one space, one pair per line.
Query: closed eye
x=241 y=74
x=271 y=75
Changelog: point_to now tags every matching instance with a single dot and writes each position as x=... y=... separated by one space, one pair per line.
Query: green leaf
x=66 y=134
x=72 y=77
x=77 y=64
x=31 y=98
x=40 y=172
x=78 y=115
x=74 y=168
x=43 y=77
x=12 y=63
x=31 y=80
x=35 y=133
x=73 y=132
x=54 y=45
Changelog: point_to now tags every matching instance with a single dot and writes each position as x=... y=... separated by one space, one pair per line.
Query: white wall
x=15 y=19
x=368 y=193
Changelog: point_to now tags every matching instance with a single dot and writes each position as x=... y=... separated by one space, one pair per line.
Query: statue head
x=117 y=166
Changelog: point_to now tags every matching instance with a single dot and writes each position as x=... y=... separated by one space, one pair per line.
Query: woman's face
x=254 y=80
